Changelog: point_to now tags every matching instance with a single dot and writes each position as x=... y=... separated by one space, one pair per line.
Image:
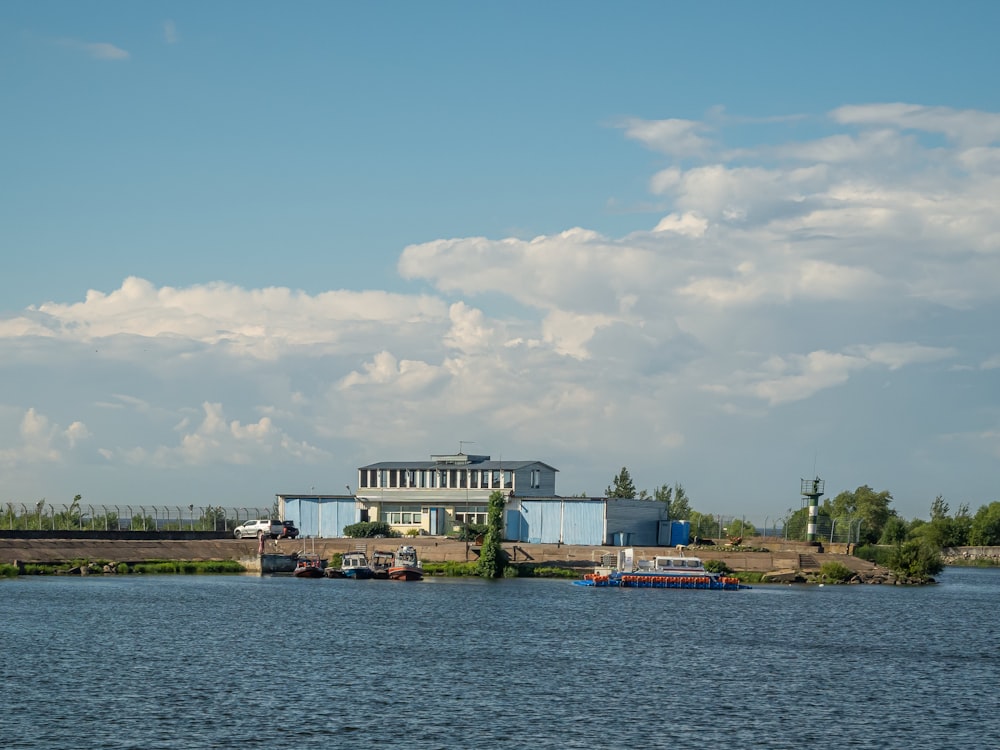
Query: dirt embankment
x=781 y=557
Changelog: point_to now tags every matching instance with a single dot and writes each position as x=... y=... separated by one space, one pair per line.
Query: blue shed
x=322 y=516
x=589 y=521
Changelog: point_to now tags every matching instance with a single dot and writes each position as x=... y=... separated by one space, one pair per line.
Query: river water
x=149 y=662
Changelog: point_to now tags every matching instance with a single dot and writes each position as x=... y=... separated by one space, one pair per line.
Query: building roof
x=479 y=463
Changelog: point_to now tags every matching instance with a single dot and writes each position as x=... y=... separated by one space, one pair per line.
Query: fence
x=792 y=527
x=87 y=517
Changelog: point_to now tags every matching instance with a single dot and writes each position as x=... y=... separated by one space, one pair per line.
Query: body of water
x=277 y=662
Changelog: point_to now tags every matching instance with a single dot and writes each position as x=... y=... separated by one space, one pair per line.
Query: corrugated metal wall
x=321 y=517
x=639 y=519
x=556 y=520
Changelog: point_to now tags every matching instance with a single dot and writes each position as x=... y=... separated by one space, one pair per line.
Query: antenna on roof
x=462 y=443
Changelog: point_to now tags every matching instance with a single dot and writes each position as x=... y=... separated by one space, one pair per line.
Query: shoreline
x=780 y=556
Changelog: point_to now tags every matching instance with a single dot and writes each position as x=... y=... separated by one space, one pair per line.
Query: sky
x=249 y=247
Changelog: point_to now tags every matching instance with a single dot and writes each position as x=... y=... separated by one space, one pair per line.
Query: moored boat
x=677 y=571
x=309 y=566
x=355 y=565
x=380 y=563
x=405 y=566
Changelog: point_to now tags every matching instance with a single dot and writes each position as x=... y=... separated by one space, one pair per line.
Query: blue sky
x=249 y=247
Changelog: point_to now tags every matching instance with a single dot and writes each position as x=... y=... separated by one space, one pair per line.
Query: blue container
x=680 y=532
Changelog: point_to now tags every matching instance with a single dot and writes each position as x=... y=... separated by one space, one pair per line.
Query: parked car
x=269 y=528
x=288 y=530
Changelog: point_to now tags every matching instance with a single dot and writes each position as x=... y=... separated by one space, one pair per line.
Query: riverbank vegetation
x=108 y=567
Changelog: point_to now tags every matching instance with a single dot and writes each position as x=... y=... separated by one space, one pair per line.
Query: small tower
x=812 y=489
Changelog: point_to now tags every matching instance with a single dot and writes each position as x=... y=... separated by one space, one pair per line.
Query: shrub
x=835 y=572
x=369 y=529
x=451 y=568
x=8 y=571
x=916 y=560
x=717 y=566
x=880 y=555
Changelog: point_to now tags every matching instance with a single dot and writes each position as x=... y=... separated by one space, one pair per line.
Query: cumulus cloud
x=218 y=440
x=39 y=440
x=770 y=275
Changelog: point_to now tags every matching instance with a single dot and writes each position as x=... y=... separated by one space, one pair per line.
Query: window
x=475 y=514
x=508 y=479
x=536 y=478
x=399 y=517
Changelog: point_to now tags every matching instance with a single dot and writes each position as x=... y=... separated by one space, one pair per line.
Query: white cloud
x=674 y=137
x=218 y=440
x=965 y=127
x=39 y=440
x=97 y=50
x=770 y=276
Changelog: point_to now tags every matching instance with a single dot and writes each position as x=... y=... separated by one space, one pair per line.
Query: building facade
x=443 y=494
x=439 y=497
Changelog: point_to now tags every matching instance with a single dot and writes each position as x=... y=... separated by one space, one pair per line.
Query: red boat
x=405 y=566
x=310 y=566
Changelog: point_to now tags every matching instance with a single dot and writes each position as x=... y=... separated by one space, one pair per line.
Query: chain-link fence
x=96 y=517
x=793 y=527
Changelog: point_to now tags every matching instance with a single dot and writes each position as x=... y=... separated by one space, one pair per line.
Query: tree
x=679 y=507
x=985 y=527
x=894 y=532
x=871 y=506
x=624 y=487
x=942 y=531
x=492 y=560
x=939 y=509
x=664 y=494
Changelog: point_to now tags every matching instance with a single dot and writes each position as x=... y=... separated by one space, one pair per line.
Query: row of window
x=474 y=479
x=473 y=514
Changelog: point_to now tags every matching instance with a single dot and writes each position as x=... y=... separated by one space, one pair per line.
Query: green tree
x=985 y=527
x=492 y=560
x=939 y=509
x=871 y=506
x=676 y=500
x=213 y=519
x=942 y=530
x=623 y=488
x=703 y=525
x=664 y=494
x=894 y=531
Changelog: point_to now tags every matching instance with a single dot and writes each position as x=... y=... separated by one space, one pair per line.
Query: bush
x=717 y=566
x=835 y=572
x=451 y=568
x=880 y=555
x=369 y=529
x=8 y=571
x=916 y=560
x=471 y=532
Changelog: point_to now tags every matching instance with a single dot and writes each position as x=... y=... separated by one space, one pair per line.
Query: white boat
x=677 y=571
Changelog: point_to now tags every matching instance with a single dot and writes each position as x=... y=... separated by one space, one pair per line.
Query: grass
x=158 y=567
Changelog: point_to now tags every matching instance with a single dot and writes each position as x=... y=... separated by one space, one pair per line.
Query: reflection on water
x=248 y=662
